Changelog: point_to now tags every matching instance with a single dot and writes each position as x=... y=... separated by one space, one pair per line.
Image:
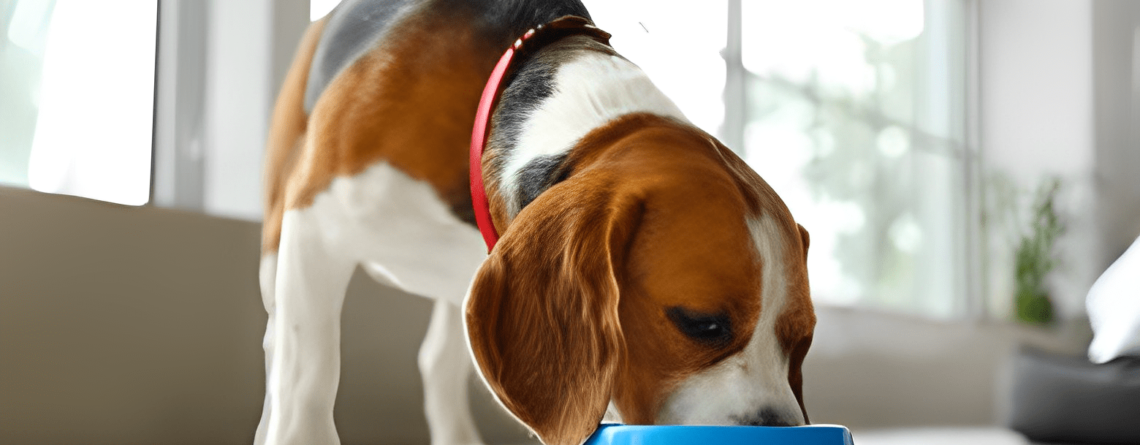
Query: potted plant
x=1034 y=257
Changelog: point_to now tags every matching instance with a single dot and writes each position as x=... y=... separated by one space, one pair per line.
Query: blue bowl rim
x=613 y=433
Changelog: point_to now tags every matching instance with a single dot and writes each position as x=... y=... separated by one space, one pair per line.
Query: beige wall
x=122 y=325
x=876 y=370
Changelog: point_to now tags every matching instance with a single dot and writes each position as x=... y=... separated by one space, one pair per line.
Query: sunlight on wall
x=29 y=22
x=678 y=46
x=93 y=136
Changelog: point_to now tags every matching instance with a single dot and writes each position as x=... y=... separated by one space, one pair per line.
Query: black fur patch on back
x=353 y=27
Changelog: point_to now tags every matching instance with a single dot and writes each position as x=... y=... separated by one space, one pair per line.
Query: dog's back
x=390 y=80
x=350 y=30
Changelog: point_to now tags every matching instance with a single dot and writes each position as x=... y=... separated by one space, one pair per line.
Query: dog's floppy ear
x=542 y=313
x=804 y=239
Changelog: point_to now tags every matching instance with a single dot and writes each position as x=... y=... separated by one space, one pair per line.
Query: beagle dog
x=645 y=274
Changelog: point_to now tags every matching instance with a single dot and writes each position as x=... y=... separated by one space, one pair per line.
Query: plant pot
x=1034 y=308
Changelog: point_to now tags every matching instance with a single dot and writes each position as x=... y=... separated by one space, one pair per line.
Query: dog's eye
x=709 y=329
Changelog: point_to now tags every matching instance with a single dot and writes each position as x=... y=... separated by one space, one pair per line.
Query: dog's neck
x=556 y=97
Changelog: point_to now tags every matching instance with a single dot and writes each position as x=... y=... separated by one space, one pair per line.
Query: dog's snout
x=769 y=417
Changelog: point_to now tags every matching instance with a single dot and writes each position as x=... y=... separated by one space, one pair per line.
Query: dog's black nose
x=768 y=417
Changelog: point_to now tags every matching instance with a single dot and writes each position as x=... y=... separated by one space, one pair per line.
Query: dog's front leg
x=268 y=279
x=304 y=341
x=445 y=366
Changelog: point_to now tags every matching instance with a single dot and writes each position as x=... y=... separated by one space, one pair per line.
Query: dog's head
x=663 y=275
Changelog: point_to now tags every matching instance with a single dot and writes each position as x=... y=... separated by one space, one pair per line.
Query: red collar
x=535 y=39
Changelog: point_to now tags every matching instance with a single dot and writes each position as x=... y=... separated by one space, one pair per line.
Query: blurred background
x=923 y=143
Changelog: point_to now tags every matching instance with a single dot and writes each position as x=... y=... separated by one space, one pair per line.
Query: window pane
x=855 y=119
x=78 y=86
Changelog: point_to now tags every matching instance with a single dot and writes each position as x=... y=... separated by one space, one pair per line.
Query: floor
x=939 y=436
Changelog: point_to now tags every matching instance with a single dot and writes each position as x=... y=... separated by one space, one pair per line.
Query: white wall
x=1060 y=94
x=872 y=370
x=1036 y=107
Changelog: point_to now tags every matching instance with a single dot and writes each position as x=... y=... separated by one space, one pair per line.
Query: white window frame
x=209 y=133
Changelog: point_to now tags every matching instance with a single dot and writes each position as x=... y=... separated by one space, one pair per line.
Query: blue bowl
x=614 y=434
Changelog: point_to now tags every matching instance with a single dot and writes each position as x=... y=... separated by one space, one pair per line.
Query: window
x=856 y=117
x=81 y=112
x=77 y=85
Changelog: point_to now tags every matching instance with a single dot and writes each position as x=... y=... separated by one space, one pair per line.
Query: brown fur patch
x=674 y=259
x=410 y=102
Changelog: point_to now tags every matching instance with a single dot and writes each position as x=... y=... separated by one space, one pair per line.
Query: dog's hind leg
x=286 y=136
x=445 y=367
x=303 y=341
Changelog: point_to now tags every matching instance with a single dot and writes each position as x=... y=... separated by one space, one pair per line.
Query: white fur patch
x=588 y=92
x=403 y=234
x=399 y=228
x=755 y=379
